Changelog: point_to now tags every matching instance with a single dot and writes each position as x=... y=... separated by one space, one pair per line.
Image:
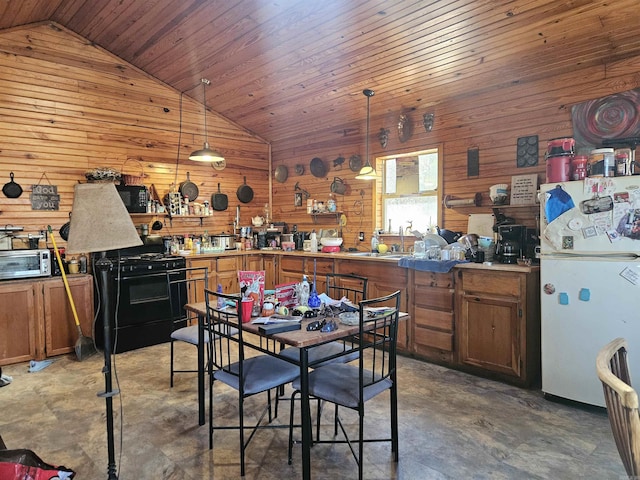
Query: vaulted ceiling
x=283 y=68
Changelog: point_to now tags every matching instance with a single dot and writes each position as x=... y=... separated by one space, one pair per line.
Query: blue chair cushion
x=190 y=334
x=261 y=373
x=317 y=354
x=338 y=383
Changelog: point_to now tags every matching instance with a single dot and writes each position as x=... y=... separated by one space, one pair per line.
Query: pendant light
x=206 y=154
x=367 y=172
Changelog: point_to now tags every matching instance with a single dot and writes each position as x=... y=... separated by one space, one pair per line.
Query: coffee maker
x=512 y=241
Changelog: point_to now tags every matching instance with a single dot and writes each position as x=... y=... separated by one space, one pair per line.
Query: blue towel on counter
x=439 y=266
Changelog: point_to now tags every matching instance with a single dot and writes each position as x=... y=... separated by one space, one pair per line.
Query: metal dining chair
x=338 y=285
x=185 y=283
x=235 y=365
x=622 y=403
x=351 y=386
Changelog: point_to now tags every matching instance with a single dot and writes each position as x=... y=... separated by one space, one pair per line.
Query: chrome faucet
x=401 y=238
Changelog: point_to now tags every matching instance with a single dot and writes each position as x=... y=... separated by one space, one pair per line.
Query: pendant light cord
x=205 y=82
x=175 y=179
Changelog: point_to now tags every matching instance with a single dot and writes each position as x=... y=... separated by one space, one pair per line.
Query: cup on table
x=246 y=306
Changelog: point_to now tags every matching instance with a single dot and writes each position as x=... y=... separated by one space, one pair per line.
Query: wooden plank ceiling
x=284 y=68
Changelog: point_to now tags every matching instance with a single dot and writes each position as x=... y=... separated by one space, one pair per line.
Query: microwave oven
x=134 y=197
x=16 y=264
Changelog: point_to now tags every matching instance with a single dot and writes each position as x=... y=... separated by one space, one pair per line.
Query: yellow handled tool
x=84 y=346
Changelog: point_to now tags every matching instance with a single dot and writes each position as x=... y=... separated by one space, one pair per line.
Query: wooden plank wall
x=490 y=121
x=67 y=106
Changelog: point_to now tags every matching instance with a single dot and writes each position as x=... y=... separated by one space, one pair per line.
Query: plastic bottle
x=374 y=242
x=82 y=260
x=304 y=292
x=221 y=302
x=313 y=245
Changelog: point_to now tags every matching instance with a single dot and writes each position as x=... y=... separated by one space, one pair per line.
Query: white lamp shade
x=99 y=220
x=366 y=173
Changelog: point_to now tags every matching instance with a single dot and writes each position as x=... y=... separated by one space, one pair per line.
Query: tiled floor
x=452 y=426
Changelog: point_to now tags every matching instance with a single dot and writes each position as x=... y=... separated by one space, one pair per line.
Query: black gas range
x=144 y=305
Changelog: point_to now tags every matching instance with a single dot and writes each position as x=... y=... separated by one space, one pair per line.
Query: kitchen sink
x=395 y=255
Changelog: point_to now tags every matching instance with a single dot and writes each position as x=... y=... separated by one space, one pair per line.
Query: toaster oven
x=16 y=264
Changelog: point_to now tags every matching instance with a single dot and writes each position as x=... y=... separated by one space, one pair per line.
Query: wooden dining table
x=303 y=340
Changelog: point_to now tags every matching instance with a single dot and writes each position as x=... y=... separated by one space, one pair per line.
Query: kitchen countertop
x=389 y=258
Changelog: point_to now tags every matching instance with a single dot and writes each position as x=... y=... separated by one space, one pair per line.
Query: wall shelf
x=326 y=214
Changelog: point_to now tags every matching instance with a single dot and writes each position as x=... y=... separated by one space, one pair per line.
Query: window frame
x=380 y=220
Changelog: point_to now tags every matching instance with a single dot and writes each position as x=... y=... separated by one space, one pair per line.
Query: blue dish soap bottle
x=221 y=301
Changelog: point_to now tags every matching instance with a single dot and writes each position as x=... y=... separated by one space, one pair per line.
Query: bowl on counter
x=331 y=241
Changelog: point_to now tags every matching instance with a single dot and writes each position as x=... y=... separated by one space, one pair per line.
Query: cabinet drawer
x=499 y=283
x=441 y=298
x=432 y=279
x=227 y=264
x=434 y=339
x=292 y=264
x=433 y=319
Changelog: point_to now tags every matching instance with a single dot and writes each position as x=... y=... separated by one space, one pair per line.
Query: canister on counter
x=624 y=162
x=601 y=163
x=579 y=167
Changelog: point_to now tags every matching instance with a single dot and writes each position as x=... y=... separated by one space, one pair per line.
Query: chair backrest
x=224 y=321
x=353 y=287
x=377 y=339
x=622 y=403
x=185 y=283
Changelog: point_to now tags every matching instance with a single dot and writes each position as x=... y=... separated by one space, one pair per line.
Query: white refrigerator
x=590 y=281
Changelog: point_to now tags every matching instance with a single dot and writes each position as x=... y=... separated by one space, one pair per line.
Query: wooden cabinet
x=432 y=315
x=384 y=279
x=60 y=331
x=270 y=265
x=19 y=315
x=36 y=320
x=498 y=323
x=222 y=270
x=291 y=269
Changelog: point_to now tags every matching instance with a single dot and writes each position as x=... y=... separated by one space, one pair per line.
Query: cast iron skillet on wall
x=12 y=189
x=189 y=189
x=219 y=200
x=245 y=192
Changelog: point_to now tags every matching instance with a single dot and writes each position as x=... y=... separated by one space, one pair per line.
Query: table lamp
x=100 y=222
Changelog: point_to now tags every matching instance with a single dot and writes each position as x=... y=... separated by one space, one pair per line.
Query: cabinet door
x=253 y=262
x=19 y=314
x=196 y=288
x=489 y=335
x=60 y=329
x=291 y=269
x=270 y=271
x=227 y=269
x=322 y=267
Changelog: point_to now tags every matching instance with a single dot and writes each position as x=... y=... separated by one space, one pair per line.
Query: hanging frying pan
x=12 y=189
x=64 y=229
x=281 y=173
x=318 y=168
x=189 y=189
x=245 y=192
x=219 y=200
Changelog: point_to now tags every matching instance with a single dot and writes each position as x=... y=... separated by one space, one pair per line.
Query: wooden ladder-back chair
x=622 y=403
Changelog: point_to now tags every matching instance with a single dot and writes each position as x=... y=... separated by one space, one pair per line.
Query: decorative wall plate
x=405 y=128
x=355 y=163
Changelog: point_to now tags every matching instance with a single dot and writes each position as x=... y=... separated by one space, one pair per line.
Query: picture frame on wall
x=297 y=199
